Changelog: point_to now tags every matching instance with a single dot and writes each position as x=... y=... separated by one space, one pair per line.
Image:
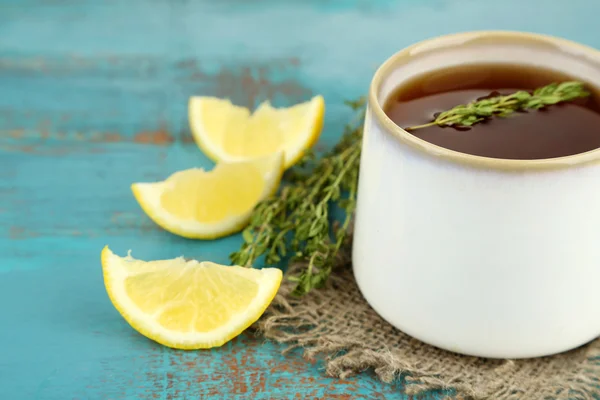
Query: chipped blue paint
x=93 y=97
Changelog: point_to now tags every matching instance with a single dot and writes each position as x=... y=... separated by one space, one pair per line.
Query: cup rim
x=457 y=157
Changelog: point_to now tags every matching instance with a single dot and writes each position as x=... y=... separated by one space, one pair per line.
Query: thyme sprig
x=502 y=106
x=297 y=221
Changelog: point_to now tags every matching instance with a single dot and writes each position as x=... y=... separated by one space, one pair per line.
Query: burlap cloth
x=337 y=323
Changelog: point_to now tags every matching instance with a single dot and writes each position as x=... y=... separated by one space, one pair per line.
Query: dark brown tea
x=555 y=131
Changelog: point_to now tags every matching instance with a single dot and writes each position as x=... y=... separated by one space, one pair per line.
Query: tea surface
x=559 y=130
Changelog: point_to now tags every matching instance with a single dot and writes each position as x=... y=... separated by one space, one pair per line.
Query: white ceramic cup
x=481 y=256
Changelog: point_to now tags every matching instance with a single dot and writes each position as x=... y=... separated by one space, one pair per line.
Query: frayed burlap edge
x=337 y=323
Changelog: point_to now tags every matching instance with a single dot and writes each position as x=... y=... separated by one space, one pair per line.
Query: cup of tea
x=483 y=239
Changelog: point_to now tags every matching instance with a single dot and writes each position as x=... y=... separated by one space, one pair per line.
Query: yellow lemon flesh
x=187 y=304
x=226 y=132
x=205 y=205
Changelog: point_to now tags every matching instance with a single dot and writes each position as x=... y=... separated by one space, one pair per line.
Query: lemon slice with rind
x=226 y=132
x=201 y=204
x=187 y=304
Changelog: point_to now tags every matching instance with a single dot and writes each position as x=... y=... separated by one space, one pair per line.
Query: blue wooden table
x=93 y=97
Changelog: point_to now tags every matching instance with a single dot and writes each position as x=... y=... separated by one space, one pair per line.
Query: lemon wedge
x=226 y=132
x=187 y=304
x=206 y=205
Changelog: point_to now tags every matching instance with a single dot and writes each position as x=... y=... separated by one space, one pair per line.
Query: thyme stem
x=297 y=221
x=503 y=106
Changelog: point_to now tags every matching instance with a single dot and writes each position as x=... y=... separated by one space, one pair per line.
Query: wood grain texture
x=93 y=97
